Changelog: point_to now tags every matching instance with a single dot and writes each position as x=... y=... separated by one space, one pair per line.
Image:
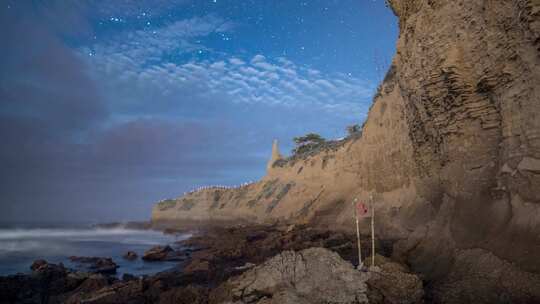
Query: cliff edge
x=450 y=152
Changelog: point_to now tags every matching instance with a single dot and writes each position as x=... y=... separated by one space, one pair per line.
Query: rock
x=75 y=279
x=314 y=275
x=48 y=282
x=245 y=266
x=529 y=164
x=38 y=264
x=163 y=253
x=390 y=282
x=92 y=283
x=128 y=277
x=190 y=294
x=157 y=253
x=199 y=271
x=130 y=255
x=96 y=264
x=119 y=292
x=477 y=273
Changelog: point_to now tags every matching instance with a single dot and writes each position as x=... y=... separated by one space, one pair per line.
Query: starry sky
x=109 y=106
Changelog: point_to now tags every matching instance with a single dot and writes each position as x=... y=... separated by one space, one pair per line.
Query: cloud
x=234 y=81
x=136 y=49
x=112 y=126
x=138 y=67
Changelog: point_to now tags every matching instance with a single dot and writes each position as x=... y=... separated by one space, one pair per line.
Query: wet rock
x=38 y=264
x=163 y=253
x=46 y=284
x=314 y=275
x=96 y=264
x=157 y=253
x=128 y=277
x=130 y=255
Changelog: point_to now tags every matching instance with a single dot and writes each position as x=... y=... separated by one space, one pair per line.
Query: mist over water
x=20 y=245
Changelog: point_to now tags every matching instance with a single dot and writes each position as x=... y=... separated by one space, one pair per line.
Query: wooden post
x=372 y=231
x=360 y=264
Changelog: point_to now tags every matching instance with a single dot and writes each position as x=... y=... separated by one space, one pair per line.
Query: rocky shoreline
x=291 y=264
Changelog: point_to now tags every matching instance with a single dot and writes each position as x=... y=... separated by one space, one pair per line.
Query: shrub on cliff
x=307 y=143
x=166 y=204
x=354 y=130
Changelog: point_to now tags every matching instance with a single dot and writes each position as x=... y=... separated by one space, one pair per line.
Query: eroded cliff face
x=450 y=151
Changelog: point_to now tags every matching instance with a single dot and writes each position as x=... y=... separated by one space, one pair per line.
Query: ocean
x=20 y=245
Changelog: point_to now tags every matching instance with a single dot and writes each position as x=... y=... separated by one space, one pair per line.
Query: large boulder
x=314 y=275
x=392 y=283
x=130 y=256
x=96 y=264
x=163 y=253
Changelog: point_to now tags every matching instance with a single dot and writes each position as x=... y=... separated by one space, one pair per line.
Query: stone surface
x=96 y=264
x=390 y=283
x=163 y=253
x=314 y=275
x=38 y=264
x=119 y=292
x=130 y=255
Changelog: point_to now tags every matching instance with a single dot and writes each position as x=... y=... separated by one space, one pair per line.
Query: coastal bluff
x=450 y=152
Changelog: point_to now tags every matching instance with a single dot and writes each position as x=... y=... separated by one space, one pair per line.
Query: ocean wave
x=18 y=233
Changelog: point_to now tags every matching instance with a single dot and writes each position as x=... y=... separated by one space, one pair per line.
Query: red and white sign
x=361 y=209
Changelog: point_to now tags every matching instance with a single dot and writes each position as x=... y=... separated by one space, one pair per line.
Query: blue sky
x=108 y=106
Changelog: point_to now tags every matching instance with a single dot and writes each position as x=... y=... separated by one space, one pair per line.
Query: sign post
x=372 y=231
x=359 y=209
x=355 y=207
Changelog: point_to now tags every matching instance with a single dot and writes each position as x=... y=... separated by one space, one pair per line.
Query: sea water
x=20 y=245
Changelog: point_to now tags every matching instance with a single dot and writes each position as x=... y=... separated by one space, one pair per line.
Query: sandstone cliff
x=450 y=151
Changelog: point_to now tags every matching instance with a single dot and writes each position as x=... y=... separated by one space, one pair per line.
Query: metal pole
x=360 y=264
x=372 y=231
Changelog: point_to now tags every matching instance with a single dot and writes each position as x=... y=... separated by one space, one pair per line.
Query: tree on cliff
x=354 y=129
x=307 y=142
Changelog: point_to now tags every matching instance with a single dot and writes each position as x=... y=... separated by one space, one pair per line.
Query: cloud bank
x=100 y=129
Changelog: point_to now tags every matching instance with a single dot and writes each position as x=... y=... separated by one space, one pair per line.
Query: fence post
x=360 y=264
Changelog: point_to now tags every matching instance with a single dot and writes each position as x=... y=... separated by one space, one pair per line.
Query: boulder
x=157 y=253
x=163 y=253
x=128 y=277
x=390 y=282
x=314 y=275
x=130 y=255
x=38 y=264
x=119 y=292
x=46 y=284
x=96 y=264
x=190 y=294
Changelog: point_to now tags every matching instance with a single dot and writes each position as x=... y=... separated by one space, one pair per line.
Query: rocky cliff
x=450 y=152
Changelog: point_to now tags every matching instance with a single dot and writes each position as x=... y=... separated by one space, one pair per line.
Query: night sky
x=109 y=106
